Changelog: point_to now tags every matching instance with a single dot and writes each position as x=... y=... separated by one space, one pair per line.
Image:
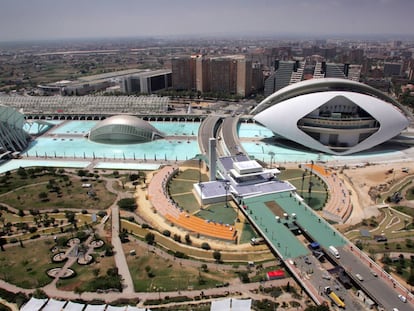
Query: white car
x=402 y=298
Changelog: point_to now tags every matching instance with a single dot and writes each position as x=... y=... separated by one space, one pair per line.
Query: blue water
x=15 y=164
x=169 y=128
x=172 y=149
x=34 y=128
x=177 y=128
x=251 y=130
x=74 y=127
x=262 y=151
x=80 y=148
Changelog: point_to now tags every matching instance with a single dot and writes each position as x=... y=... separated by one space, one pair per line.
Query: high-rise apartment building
x=226 y=74
x=183 y=72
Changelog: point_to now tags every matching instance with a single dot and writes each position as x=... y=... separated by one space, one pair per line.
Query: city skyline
x=45 y=19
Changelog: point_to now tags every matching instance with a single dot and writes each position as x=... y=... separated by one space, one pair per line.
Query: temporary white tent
x=34 y=304
x=220 y=305
x=95 y=308
x=74 y=306
x=241 y=304
x=54 y=305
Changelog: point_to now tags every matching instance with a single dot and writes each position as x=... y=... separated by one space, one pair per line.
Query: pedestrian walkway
x=160 y=200
x=338 y=207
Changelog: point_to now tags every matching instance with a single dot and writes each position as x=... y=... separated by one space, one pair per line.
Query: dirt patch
x=275 y=208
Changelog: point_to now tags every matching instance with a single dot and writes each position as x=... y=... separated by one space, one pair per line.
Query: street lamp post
x=227 y=187
x=303 y=179
x=199 y=171
x=272 y=156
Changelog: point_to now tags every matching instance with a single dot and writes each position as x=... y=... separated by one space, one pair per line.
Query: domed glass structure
x=122 y=129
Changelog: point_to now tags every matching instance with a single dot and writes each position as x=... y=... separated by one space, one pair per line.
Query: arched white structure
x=335 y=116
x=123 y=129
x=12 y=136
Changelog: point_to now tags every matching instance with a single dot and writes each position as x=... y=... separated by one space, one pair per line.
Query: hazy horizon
x=75 y=19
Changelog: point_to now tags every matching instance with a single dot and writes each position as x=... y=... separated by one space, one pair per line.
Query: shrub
x=180 y=255
x=150 y=238
x=244 y=277
x=205 y=246
x=188 y=239
x=128 y=204
x=102 y=214
x=166 y=232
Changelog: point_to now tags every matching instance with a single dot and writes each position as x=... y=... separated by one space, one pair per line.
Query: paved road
x=207 y=130
x=230 y=137
x=383 y=288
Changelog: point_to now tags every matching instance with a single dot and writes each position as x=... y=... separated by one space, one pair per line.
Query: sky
x=63 y=19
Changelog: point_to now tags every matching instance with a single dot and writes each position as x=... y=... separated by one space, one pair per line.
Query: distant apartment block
x=285 y=73
x=289 y=72
x=392 y=69
x=183 y=72
x=146 y=82
x=335 y=70
x=227 y=74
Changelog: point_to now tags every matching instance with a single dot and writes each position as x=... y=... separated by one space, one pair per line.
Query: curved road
x=206 y=131
x=230 y=138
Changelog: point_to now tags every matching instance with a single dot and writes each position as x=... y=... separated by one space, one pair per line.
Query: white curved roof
x=125 y=120
x=282 y=110
x=123 y=128
x=323 y=85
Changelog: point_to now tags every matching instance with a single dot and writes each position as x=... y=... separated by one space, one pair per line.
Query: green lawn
x=319 y=193
x=218 y=213
x=26 y=267
x=247 y=234
x=166 y=274
x=86 y=274
x=70 y=194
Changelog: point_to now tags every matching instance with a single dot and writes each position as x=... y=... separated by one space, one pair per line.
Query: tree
x=150 y=238
x=205 y=246
x=187 y=239
x=22 y=172
x=82 y=173
x=43 y=196
x=70 y=217
x=2 y=243
x=123 y=236
x=109 y=250
x=128 y=204
x=217 y=256
x=133 y=177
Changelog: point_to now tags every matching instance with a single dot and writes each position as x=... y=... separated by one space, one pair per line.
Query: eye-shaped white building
x=335 y=116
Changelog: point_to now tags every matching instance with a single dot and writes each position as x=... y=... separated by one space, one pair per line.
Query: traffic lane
x=321 y=278
x=380 y=287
